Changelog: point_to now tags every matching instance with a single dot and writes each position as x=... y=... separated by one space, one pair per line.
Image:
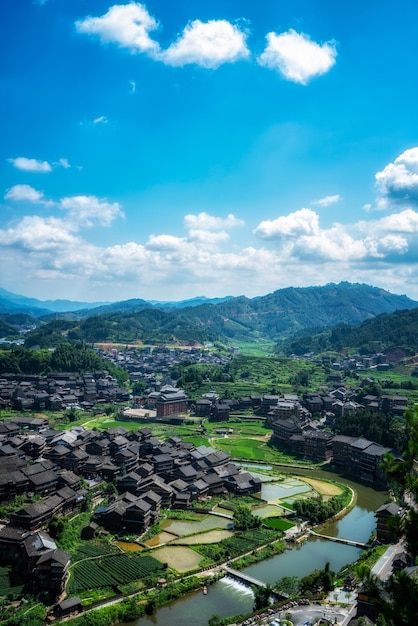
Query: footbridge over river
x=347 y=542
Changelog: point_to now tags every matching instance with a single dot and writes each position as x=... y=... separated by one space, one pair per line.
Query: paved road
x=383 y=567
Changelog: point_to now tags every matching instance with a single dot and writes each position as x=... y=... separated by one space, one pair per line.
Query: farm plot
x=111 y=571
x=179 y=558
x=213 y=536
x=323 y=488
x=183 y=527
x=240 y=543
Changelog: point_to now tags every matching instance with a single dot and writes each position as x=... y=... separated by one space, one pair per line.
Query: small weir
x=236 y=585
x=248 y=580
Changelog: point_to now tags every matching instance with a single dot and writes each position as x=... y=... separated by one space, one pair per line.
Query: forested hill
x=383 y=333
x=276 y=316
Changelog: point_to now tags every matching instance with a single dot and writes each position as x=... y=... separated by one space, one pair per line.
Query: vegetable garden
x=111 y=571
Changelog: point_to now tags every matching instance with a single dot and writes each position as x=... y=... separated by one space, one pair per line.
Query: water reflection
x=226 y=597
x=303 y=559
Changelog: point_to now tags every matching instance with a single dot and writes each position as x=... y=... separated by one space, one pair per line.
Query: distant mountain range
x=14 y=303
x=276 y=316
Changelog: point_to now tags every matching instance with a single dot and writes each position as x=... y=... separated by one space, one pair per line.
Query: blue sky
x=165 y=150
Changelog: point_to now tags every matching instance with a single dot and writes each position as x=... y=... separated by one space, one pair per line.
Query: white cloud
x=327 y=200
x=30 y=165
x=393 y=243
x=297 y=57
x=208 y=237
x=64 y=163
x=127 y=25
x=88 y=210
x=204 y=221
x=38 y=234
x=132 y=86
x=334 y=244
x=404 y=222
x=294 y=250
x=301 y=239
x=302 y=222
x=397 y=183
x=208 y=44
x=24 y=193
x=165 y=243
x=102 y=119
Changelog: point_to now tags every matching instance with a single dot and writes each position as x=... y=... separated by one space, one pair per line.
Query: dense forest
x=383 y=428
x=65 y=358
x=381 y=334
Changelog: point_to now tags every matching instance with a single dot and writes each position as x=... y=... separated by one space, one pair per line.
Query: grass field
x=277 y=523
x=260 y=348
x=249 y=449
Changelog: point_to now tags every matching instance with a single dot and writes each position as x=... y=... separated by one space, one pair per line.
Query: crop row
x=110 y=571
x=239 y=544
x=90 y=550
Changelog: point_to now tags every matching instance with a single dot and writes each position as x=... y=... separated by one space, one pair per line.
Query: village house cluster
x=62 y=466
x=145 y=363
x=59 y=391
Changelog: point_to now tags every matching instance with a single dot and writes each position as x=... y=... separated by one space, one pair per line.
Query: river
x=227 y=597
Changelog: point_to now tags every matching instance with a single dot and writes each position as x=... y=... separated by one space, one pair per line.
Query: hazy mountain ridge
x=276 y=316
x=22 y=304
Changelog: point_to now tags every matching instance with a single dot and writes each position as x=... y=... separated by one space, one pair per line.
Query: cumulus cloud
x=327 y=200
x=302 y=222
x=127 y=25
x=208 y=237
x=165 y=242
x=204 y=221
x=393 y=243
x=35 y=233
x=208 y=44
x=90 y=210
x=397 y=183
x=333 y=244
x=24 y=193
x=292 y=249
x=405 y=222
x=297 y=57
x=300 y=238
x=31 y=165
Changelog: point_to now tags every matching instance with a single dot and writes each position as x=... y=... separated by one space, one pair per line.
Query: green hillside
x=385 y=332
x=274 y=317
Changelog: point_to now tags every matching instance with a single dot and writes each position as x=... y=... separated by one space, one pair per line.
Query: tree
x=72 y=414
x=288 y=585
x=328 y=578
x=244 y=519
x=150 y=606
x=262 y=596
